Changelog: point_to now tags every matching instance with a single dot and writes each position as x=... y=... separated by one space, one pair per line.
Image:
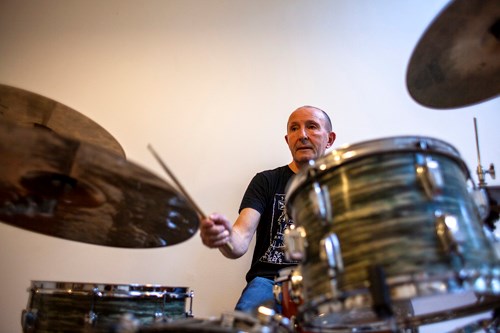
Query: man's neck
x=294 y=166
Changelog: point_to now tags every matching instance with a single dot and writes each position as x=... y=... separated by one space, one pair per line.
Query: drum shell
x=382 y=216
x=97 y=307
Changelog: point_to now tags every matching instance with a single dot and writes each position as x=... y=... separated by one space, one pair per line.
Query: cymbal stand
x=481 y=173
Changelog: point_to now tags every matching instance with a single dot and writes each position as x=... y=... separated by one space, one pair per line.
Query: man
x=262 y=211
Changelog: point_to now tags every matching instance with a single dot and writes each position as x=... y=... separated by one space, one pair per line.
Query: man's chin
x=303 y=159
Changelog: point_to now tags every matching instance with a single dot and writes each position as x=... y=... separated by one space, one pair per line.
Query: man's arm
x=216 y=232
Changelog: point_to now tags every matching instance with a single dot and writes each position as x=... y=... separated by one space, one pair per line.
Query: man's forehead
x=304 y=115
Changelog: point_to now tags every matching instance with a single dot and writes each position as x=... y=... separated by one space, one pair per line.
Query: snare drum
x=387 y=221
x=96 y=307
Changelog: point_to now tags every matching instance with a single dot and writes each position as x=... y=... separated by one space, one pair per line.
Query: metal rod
x=477 y=142
x=480 y=171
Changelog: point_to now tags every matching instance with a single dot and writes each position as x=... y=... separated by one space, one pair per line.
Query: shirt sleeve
x=256 y=194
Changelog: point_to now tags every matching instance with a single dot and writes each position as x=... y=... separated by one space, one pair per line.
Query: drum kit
x=378 y=224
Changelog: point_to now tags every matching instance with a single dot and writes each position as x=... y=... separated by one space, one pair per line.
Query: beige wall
x=210 y=85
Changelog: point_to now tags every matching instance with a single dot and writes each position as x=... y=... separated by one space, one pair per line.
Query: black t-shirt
x=266 y=194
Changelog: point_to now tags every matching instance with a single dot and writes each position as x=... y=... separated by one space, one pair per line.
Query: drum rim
x=392 y=144
x=106 y=289
x=308 y=313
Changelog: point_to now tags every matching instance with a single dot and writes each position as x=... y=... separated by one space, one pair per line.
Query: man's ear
x=331 y=139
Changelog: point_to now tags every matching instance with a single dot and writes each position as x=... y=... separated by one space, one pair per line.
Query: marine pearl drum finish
x=97 y=307
x=387 y=221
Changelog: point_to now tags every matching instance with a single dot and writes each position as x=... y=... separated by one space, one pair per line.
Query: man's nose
x=303 y=134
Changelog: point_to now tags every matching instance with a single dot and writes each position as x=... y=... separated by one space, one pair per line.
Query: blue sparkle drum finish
x=401 y=206
x=97 y=307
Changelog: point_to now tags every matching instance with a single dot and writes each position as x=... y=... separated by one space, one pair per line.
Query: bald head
x=327 y=121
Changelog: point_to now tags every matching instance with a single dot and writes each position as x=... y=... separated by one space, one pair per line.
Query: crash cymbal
x=29 y=109
x=456 y=63
x=74 y=190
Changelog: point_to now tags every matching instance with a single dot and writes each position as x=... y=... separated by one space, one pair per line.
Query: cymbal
x=456 y=62
x=74 y=190
x=29 y=109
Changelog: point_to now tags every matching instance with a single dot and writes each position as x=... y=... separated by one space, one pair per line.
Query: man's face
x=308 y=135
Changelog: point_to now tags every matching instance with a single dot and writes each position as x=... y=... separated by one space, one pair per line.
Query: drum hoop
x=389 y=145
x=308 y=310
x=108 y=290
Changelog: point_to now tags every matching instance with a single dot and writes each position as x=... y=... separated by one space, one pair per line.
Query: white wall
x=210 y=85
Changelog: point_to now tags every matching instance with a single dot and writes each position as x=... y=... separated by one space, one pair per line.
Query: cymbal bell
x=456 y=62
x=74 y=190
x=32 y=110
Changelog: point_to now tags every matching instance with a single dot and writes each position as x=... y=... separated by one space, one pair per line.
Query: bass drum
x=385 y=222
x=96 y=307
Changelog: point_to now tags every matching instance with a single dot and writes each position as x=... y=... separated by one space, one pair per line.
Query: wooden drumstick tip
x=179 y=186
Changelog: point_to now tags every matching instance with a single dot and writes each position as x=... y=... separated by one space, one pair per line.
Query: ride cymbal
x=77 y=191
x=456 y=63
x=29 y=109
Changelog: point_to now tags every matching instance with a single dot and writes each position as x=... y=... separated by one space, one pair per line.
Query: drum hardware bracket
x=449 y=235
x=481 y=200
x=189 y=313
x=295 y=243
x=319 y=195
x=296 y=287
x=320 y=198
x=331 y=253
x=481 y=174
x=277 y=289
x=429 y=175
x=91 y=316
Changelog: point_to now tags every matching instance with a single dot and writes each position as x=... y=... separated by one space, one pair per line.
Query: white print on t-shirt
x=275 y=254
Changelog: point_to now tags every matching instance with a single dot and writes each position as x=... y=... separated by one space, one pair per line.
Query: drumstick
x=181 y=188
x=177 y=183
